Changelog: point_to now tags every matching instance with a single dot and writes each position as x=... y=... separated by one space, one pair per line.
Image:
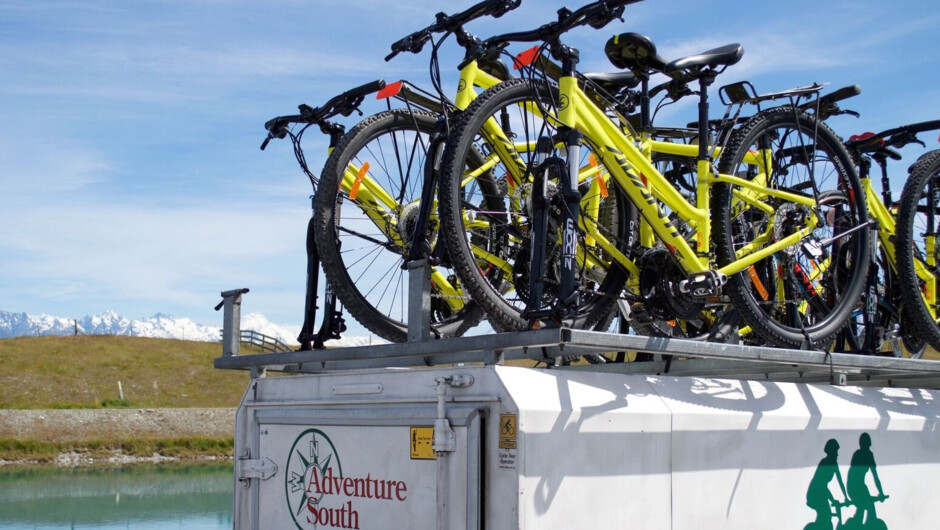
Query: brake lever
x=850 y=113
x=306 y=111
x=276 y=129
x=906 y=138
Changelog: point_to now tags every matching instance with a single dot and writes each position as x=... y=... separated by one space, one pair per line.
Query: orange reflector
x=759 y=285
x=592 y=160
x=525 y=58
x=390 y=90
x=354 y=191
x=603 y=186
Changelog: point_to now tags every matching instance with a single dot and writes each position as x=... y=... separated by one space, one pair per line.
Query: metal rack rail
x=689 y=358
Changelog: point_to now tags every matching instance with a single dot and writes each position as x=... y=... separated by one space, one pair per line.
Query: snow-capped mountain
x=158 y=326
x=107 y=323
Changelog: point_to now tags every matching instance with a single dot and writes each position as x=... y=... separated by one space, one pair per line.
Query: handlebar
x=596 y=14
x=897 y=137
x=344 y=104
x=414 y=43
x=826 y=105
x=848 y=502
x=843 y=93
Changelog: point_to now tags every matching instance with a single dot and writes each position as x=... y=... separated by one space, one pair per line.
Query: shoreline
x=86 y=459
x=80 y=437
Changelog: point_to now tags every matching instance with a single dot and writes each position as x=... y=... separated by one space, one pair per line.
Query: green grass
x=83 y=372
x=183 y=448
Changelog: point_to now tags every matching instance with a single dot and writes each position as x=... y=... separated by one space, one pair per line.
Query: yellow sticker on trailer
x=422 y=443
x=507 y=431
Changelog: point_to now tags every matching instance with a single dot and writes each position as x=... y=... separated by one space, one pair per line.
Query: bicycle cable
x=301 y=158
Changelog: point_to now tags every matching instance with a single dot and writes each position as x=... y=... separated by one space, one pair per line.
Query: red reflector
x=389 y=90
x=525 y=58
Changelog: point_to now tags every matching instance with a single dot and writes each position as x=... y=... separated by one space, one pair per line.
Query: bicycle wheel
x=805 y=293
x=486 y=217
x=366 y=206
x=880 y=325
x=917 y=261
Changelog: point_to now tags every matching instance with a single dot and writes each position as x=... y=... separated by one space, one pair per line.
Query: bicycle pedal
x=703 y=284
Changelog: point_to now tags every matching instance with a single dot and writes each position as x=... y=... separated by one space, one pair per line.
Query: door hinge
x=264 y=468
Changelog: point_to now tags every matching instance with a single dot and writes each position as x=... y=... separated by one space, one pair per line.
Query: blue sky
x=130 y=174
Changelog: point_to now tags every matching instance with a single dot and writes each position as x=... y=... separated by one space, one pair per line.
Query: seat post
x=705 y=79
x=645 y=104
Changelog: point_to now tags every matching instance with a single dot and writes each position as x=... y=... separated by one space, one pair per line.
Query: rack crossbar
x=690 y=358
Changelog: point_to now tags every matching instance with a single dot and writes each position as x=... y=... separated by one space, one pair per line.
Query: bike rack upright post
x=419 y=300
x=231 y=321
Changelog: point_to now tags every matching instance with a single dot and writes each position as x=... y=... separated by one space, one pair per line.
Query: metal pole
x=419 y=300
x=231 y=321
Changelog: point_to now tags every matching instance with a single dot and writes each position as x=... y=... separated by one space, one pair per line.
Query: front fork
x=333 y=324
x=549 y=169
x=420 y=246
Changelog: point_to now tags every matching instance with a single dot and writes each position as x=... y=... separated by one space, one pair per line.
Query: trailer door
x=367 y=466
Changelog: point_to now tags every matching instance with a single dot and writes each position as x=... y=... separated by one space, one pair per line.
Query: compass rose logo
x=312 y=457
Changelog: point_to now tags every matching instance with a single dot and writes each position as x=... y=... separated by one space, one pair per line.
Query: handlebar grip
x=842 y=93
x=364 y=90
x=924 y=126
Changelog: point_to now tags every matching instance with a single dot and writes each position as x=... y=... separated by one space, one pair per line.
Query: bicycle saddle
x=723 y=56
x=613 y=82
x=635 y=52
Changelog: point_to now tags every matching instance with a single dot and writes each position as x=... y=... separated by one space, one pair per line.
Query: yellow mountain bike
x=762 y=229
x=375 y=208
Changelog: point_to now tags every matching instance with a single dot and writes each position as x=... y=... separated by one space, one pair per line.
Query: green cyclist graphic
x=863 y=461
x=818 y=496
x=855 y=490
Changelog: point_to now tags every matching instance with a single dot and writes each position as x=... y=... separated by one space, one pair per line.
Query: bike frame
x=647 y=187
x=380 y=206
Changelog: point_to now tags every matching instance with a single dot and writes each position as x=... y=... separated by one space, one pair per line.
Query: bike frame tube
x=647 y=188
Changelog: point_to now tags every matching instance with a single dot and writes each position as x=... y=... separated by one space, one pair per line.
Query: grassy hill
x=83 y=372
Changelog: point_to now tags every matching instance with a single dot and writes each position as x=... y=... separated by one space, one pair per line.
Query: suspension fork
x=554 y=168
x=420 y=246
x=569 y=250
x=333 y=323
x=930 y=245
x=539 y=235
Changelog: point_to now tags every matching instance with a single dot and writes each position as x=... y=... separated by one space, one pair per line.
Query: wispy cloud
x=98 y=250
x=34 y=165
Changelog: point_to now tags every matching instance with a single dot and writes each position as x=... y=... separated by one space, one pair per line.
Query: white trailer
x=500 y=447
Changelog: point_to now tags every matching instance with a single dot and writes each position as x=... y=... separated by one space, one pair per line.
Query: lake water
x=142 y=497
